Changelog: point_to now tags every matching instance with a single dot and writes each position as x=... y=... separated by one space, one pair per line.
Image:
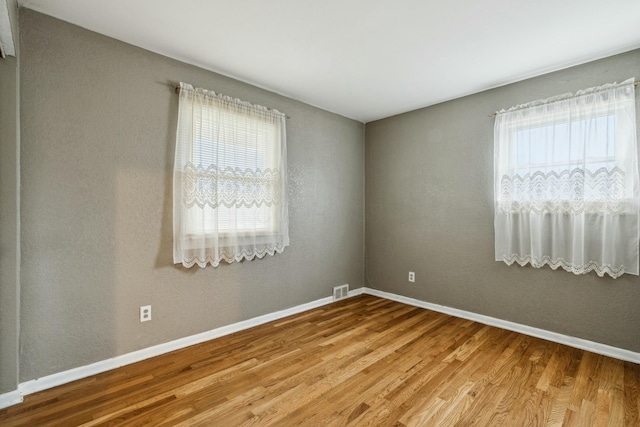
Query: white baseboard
x=10 y=398
x=356 y=292
x=74 y=374
x=580 y=343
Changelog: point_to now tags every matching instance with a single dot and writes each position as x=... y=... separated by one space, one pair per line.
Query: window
x=229 y=180
x=566 y=182
x=565 y=145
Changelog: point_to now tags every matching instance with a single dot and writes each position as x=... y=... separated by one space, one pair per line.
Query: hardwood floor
x=361 y=361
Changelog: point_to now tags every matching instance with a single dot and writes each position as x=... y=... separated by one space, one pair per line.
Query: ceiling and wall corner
x=366 y=59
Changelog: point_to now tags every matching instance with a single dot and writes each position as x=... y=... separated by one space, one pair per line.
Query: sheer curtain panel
x=566 y=182
x=229 y=180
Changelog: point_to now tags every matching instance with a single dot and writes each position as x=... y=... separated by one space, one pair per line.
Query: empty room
x=336 y=213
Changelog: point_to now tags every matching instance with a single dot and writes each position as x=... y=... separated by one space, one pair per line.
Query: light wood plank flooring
x=361 y=361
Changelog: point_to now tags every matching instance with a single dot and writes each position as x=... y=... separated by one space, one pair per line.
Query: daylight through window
x=566 y=182
x=229 y=180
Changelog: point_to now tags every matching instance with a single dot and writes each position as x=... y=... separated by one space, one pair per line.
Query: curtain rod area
x=176 y=88
x=635 y=85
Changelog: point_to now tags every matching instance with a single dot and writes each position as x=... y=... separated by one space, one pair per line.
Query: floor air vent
x=340 y=292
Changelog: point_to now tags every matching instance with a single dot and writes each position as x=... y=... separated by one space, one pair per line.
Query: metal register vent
x=340 y=292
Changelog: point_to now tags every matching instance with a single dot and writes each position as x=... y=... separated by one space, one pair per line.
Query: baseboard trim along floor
x=9 y=399
x=594 y=347
x=74 y=374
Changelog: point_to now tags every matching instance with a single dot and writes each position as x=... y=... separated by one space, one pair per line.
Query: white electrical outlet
x=145 y=313
x=412 y=276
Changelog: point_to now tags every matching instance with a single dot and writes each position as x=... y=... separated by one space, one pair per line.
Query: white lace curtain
x=566 y=182
x=229 y=180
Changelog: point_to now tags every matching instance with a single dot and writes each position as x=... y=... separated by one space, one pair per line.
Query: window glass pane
x=587 y=144
x=244 y=146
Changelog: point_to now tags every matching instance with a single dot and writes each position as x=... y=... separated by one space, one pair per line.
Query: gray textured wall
x=429 y=209
x=98 y=129
x=8 y=226
x=9 y=220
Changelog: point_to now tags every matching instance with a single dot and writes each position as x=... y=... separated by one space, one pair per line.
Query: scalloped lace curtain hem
x=214 y=261
x=600 y=269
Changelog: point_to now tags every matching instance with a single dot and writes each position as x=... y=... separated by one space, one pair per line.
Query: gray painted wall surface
x=429 y=209
x=9 y=239
x=98 y=130
x=8 y=226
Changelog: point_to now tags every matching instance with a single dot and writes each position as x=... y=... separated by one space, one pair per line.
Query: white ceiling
x=366 y=59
